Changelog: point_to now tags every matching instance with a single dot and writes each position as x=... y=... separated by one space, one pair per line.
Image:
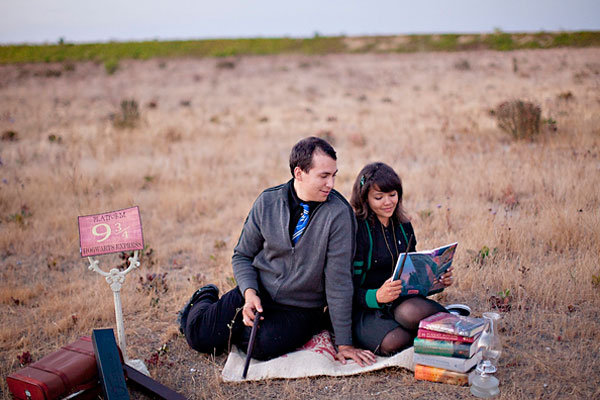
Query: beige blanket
x=317 y=357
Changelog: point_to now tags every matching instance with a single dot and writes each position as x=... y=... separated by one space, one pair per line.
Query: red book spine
x=427 y=334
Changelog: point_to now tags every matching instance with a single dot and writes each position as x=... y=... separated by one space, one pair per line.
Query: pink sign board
x=110 y=232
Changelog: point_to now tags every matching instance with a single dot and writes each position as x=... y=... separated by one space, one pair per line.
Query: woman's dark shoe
x=459 y=309
x=208 y=292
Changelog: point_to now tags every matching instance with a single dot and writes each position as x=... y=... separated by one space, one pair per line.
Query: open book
x=422 y=270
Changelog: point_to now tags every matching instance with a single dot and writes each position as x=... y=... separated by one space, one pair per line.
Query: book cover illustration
x=434 y=374
x=453 y=324
x=422 y=269
x=427 y=334
x=445 y=348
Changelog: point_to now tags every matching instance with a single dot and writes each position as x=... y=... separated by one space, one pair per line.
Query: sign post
x=113 y=232
x=115 y=279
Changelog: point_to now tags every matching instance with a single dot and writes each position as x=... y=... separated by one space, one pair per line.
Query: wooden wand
x=410 y=240
x=251 y=343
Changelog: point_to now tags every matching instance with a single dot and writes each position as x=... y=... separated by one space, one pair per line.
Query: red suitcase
x=67 y=371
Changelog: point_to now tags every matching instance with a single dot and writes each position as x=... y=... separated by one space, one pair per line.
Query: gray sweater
x=315 y=272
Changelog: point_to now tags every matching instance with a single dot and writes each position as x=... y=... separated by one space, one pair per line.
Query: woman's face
x=383 y=204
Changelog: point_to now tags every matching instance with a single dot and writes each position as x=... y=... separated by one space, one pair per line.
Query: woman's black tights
x=408 y=314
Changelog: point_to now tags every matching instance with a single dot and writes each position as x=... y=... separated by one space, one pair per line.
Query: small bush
x=54 y=139
x=111 y=66
x=502 y=301
x=129 y=115
x=480 y=257
x=20 y=217
x=158 y=358
x=145 y=257
x=24 y=358
x=566 y=96
x=225 y=64
x=52 y=73
x=154 y=283
x=462 y=65
x=596 y=281
x=9 y=136
x=550 y=124
x=519 y=118
x=425 y=214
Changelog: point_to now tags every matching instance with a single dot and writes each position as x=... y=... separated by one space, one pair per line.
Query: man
x=293 y=257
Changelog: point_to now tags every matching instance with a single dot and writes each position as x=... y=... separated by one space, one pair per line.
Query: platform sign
x=110 y=232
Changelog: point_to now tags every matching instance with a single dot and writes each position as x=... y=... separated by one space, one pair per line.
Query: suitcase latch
x=28 y=394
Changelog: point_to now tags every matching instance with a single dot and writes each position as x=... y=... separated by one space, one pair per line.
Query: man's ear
x=298 y=174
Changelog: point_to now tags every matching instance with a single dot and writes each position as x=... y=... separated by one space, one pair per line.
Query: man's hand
x=361 y=357
x=251 y=305
x=389 y=291
x=447 y=278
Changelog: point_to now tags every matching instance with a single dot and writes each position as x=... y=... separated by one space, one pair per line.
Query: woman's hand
x=447 y=278
x=251 y=305
x=389 y=291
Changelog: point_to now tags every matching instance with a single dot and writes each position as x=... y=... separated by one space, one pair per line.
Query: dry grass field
x=213 y=133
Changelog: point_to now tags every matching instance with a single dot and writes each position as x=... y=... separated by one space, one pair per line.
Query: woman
x=383 y=321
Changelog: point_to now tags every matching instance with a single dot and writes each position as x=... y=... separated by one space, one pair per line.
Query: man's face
x=316 y=184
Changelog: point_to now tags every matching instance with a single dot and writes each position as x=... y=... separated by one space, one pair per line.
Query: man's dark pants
x=284 y=328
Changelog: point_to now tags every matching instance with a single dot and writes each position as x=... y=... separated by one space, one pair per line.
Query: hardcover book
x=453 y=324
x=449 y=363
x=434 y=374
x=445 y=348
x=427 y=334
x=421 y=271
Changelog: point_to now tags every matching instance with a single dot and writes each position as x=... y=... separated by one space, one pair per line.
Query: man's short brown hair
x=302 y=153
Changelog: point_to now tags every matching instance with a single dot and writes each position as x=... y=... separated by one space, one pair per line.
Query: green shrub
x=447 y=42
x=111 y=66
x=501 y=41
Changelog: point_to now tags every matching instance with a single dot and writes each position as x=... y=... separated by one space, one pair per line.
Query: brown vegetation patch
x=519 y=118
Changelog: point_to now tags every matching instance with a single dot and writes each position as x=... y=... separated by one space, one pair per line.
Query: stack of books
x=446 y=348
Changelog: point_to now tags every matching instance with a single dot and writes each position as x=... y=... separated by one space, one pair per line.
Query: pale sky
x=38 y=21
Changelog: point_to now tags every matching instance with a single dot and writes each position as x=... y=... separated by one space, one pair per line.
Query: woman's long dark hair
x=386 y=180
